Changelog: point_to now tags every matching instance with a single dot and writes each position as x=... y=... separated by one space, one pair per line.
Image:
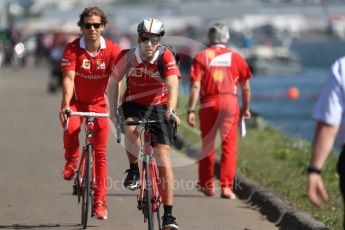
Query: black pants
x=341 y=172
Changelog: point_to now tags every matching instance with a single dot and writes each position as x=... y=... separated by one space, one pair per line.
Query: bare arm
x=172 y=86
x=67 y=92
x=246 y=94
x=322 y=145
x=194 y=92
x=113 y=91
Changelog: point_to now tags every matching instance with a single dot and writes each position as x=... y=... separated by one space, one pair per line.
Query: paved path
x=34 y=195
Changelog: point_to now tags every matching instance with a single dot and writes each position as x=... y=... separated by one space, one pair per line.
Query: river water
x=270 y=98
x=294 y=117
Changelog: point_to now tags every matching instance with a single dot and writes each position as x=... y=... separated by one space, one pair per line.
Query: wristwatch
x=172 y=111
x=190 y=111
x=312 y=169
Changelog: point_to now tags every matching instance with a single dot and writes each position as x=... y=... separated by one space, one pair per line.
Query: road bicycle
x=149 y=198
x=84 y=181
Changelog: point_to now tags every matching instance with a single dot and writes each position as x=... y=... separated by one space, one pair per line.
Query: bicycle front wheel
x=148 y=193
x=86 y=187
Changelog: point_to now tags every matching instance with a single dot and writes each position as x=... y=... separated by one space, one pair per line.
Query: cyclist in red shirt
x=148 y=96
x=215 y=75
x=86 y=66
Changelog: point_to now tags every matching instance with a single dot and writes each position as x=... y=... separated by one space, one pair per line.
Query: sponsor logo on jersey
x=135 y=72
x=86 y=64
x=218 y=76
x=222 y=60
x=138 y=72
x=210 y=54
x=100 y=64
x=92 y=77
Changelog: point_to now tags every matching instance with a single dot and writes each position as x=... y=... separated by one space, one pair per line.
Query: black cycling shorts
x=161 y=133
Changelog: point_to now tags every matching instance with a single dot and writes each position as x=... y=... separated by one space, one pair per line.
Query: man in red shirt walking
x=215 y=75
x=148 y=96
x=86 y=65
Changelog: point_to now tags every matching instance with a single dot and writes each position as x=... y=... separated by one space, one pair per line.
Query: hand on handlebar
x=171 y=116
x=64 y=116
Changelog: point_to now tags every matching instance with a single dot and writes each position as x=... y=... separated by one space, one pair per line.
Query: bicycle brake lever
x=65 y=124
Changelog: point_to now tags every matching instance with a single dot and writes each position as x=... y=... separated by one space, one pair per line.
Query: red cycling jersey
x=91 y=72
x=144 y=84
x=220 y=70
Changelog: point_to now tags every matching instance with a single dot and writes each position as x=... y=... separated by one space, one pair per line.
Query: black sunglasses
x=95 y=25
x=154 y=41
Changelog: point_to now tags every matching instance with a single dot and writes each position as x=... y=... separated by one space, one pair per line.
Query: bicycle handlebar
x=87 y=114
x=83 y=114
x=141 y=122
x=144 y=123
x=152 y=122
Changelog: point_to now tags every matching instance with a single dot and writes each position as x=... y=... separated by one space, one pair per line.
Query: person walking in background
x=215 y=75
x=86 y=65
x=329 y=113
x=148 y=96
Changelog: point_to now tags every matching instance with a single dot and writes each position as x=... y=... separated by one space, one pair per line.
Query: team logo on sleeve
x=171 y=65
x=65 y=62
x=100 y=64
x=86 y=64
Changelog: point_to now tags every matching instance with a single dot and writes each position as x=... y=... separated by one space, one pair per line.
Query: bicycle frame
x=84 y=182
x=149 y=198
x=149 y=182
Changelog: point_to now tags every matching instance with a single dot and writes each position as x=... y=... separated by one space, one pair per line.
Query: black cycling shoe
x=132 y=181
x=169 y=222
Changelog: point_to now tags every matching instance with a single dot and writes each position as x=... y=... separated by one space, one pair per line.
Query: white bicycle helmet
x=151 y=25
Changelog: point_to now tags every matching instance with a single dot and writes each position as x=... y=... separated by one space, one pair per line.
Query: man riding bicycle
x=86 y=65
x=148 y=96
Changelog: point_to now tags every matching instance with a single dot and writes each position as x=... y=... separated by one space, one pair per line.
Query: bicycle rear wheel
x=86 y=187
x=148 y=192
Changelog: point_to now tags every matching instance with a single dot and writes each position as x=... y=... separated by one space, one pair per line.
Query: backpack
x=161 y=49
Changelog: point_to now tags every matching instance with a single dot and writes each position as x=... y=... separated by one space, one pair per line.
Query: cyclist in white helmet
x=148 y=96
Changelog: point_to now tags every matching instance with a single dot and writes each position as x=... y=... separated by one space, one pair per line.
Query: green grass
x=279 y=163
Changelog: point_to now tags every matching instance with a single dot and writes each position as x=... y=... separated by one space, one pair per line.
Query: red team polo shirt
x=220 y=70
x=145 y=86
x=91 y=72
